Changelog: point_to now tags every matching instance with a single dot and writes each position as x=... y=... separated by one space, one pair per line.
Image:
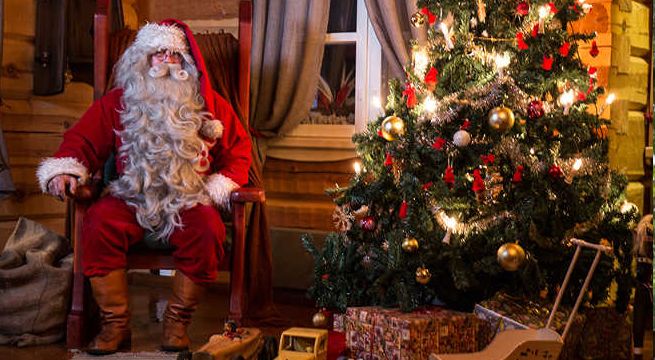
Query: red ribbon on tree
x=402 y=212
x=488 y=159
x=449 y=176
x=547 y=63
x=439 y=143
x=553 y=8
x=411 y=95
x=432 y=18
x=594 y=49
x=564 y=49
x=388 y=161
x=431 y=78
x=521 y=43
x=478 y=182
x=535 y=30
x=522 y=8
x=518 y=175
x=426 y=186
x=465 y=125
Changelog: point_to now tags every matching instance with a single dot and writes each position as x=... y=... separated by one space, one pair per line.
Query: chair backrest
x=227 y=59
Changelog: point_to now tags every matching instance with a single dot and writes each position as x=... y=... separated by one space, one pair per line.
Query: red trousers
x=110 y=228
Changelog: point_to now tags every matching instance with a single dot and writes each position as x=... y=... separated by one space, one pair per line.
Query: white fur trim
x=154 y=37
x=51 y=167
x=219 y=188
x=212 y=129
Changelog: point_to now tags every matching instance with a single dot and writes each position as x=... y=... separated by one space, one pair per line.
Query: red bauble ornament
x=402 y=212
x=368 y=223
x=555 y=171
x=518 y=175
x=478 y=182
x=536 y=109
x=431 y=78
x=594 y=49
x=449 y=177
x=388 y=160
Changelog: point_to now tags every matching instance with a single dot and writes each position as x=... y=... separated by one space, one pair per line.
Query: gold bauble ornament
x=511 y=256
x=501 y=118
x=392 y=127
x=319 y=319
x=418 y=19
x=423 y=275
x=410 y=244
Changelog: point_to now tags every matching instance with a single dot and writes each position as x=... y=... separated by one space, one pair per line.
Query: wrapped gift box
x=505 y=312
x=378 y=333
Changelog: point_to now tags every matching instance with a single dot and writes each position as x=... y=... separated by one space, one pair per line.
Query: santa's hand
x=62 y=186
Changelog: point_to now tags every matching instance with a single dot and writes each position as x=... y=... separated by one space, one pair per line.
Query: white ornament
x=462 y=138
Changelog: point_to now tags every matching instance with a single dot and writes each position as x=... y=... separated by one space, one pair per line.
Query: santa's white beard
x=161 y=119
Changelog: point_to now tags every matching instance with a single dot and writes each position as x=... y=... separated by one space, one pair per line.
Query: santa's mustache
x=175 y=71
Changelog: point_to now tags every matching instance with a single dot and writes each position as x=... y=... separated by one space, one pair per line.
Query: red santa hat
x=176 y=36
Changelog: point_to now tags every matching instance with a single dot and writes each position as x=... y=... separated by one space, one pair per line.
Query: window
x=350 y=82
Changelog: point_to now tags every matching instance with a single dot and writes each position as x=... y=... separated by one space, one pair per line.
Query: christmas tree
x=490 y=156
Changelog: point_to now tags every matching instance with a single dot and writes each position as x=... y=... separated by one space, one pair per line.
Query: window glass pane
x=334 y=103
x=343 y=16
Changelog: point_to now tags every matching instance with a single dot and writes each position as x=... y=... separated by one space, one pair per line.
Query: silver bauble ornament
x=319 y=319
x=511 y=256
x=501 y=118
x=392 y=127
x=462 y=138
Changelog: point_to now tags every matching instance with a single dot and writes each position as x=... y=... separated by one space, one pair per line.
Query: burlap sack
x=36 y=270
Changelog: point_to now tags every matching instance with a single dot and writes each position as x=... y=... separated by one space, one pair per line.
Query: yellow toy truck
x=303 y=344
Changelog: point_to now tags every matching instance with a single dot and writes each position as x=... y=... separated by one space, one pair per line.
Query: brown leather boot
x=177 y=317
x=110 y=292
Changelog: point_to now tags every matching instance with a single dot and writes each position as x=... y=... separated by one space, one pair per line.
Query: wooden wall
x=32 y=125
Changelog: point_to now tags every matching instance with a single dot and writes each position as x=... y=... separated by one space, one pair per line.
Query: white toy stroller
x=535 y=344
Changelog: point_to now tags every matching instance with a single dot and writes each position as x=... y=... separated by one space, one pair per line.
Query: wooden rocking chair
x=78 y=324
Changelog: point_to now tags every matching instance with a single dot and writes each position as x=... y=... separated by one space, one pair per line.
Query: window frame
x=318 y=142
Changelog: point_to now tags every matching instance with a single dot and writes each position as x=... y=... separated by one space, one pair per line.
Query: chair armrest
x=248 y=194
x=86 y=193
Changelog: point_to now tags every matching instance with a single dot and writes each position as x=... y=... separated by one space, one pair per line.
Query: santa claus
x=179 y=151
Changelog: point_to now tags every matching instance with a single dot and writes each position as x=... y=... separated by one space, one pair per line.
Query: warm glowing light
x=544 y=11
x=376 y=102
x=502 y=60
x=627 y=207
x=358 y=167
x=531 y=151
x=610 y=98
x=567 y=98
x=451 y=223
x=577 y=164
x=430 y=104
x=421 y=60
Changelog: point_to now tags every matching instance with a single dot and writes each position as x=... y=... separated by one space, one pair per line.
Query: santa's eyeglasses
x=162 y=55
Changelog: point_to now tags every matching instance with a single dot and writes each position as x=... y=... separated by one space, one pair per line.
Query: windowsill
x=314 y=143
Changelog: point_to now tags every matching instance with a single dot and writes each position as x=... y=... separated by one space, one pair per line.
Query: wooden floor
x=146 y=332
x=208 y=320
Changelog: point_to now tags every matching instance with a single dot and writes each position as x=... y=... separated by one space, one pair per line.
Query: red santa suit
x=111 y=226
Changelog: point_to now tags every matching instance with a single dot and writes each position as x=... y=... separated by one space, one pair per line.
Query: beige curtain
x=287 y=49
x=390 y=20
